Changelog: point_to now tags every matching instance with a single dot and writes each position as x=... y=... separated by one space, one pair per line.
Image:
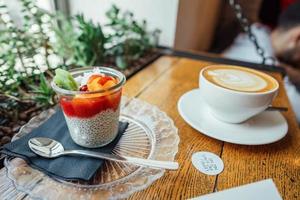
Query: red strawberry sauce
x=88 y=105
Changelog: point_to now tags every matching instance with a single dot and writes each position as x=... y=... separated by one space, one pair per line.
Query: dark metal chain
x=247 y=29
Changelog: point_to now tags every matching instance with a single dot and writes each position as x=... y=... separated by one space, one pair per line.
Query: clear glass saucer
x=151 y=134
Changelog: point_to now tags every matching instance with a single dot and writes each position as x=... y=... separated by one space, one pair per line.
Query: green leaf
x=65 y=80
x=43 y=93
x=121 y=62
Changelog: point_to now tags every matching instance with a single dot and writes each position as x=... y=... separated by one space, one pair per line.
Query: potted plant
x=30 y=53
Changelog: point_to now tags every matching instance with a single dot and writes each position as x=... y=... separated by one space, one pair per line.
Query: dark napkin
x=65 y=167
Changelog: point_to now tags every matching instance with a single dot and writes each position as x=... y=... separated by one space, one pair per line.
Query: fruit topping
x=83 y=88
x=103 y=80
x=93 y=77
x=83 y=104
x=65 y=80
x=84 y=107
x=96 y=82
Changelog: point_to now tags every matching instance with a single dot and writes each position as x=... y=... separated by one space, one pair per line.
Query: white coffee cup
x=235 y=106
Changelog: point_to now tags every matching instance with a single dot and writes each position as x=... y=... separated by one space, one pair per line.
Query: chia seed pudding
x=90 y=100
x=96 y=131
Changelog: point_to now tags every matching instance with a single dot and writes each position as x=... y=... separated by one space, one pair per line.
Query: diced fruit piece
x=65 y=80
x=109 y=84
x=93 y=77
x=88 y=95
x=83 y=88
x=94 y=85
x=100 y=82
x=103 y=80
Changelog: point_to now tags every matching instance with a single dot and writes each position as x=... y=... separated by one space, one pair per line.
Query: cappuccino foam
x=239 y=79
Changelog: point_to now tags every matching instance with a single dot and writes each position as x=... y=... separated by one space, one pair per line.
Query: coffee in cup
x=235 y=94
x=240 y=79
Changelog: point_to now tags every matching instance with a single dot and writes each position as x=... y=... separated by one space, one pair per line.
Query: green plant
x=26 y=58
x=130 y=39
x=81 y=45
x=30 y=53
x=81 y=42
x=43 y=93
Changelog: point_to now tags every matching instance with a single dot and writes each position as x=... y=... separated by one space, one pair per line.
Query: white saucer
x=265 y=128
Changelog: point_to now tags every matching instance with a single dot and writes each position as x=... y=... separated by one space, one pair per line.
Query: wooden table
x=162 y=83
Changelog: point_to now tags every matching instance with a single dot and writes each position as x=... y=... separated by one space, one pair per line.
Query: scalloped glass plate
x=151 y=134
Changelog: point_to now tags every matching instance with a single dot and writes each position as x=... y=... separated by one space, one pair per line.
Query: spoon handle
x=125 y=159
x=152 y=163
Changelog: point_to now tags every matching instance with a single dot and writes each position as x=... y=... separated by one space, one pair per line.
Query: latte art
x=239 y=79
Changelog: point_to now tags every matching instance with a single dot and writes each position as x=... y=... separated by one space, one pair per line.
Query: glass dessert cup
x=92 y=116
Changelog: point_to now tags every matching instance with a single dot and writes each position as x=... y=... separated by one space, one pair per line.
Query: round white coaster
x=207 y=163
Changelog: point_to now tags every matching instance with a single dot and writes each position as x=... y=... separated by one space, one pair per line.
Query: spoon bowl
x=46 y=147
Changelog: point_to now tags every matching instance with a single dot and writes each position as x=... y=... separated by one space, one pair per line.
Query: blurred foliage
x=24 y=55
x=30 y=52
x=43 y=93
x=79 y=41
x=82 y=43
x=129 y=38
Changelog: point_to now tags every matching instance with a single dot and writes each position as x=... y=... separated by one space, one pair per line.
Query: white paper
x=262 y=190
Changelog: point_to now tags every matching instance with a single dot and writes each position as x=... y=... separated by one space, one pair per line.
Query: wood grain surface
x=243 y=164
x=162 y=83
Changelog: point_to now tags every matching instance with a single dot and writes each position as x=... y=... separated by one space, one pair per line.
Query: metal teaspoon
x=50 y=148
